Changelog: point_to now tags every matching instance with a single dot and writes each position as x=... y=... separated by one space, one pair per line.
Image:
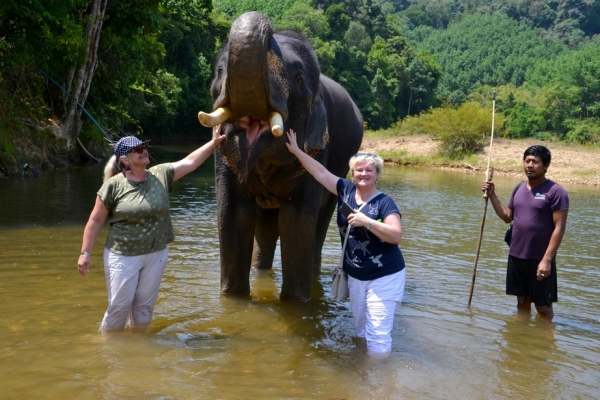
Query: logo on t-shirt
x=540 y=196
x=362 y=246
x=375 y=260
x=373 y=210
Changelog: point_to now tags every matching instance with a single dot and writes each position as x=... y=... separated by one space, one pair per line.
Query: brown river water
x=206 y=345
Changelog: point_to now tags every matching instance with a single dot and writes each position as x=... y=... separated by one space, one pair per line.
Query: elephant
x=266 y=83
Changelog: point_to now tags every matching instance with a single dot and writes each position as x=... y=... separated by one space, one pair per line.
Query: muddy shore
x=570 y=163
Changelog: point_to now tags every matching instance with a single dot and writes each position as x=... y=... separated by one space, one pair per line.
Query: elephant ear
x=317 y=130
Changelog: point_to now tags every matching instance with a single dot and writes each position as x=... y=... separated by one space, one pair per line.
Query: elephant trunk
x=247 y=69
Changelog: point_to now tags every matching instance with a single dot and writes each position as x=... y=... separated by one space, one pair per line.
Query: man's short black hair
x=538 y=151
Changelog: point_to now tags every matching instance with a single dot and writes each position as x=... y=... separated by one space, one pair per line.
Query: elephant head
x=262 y=84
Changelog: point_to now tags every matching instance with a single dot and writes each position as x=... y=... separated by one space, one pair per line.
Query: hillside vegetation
x=144 y=67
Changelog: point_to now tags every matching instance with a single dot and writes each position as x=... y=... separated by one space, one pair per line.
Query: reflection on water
x=204 y=345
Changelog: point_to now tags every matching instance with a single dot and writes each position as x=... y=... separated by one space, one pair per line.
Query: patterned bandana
x=126 y=144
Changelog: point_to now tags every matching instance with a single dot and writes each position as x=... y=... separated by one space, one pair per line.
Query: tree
x=415 y=16
x=301 y=17
x=190 y=38
x=83 y=73
x=525 y=121
x=421 y=83
x=572 y=86
x=234 y=8
x=45 y=35
x=485 y=50
x=338 y=21
x=381 y=110
x=357 y=36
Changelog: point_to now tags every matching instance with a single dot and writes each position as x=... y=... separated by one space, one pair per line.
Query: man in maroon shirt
x=538 y=209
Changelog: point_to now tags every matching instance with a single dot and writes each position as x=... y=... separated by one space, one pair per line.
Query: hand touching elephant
x=266 y=83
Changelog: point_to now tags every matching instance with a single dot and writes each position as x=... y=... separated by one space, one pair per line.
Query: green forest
x=96 y=69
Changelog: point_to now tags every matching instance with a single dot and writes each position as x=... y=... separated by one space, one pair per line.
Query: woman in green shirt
x=135 y=201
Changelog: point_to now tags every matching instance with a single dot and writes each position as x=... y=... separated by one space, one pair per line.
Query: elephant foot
x=237 y=295
x=236 y=290
x=294 y=297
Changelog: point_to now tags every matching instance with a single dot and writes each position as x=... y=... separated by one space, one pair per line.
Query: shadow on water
x=206 y=345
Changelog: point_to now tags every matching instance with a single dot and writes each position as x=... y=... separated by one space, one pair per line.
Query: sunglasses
x=366 y=155
x=139 y=149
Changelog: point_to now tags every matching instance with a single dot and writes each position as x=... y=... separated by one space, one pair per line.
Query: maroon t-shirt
x=532 y=215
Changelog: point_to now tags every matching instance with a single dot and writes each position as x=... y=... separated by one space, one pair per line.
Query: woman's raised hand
x=292 y=145
x=217 y=136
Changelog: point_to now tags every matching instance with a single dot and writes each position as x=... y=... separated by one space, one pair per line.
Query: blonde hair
x=371 y=158
x=112 y=167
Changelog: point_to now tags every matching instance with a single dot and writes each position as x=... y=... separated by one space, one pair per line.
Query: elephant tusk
x=276 y=123
x=215 y=118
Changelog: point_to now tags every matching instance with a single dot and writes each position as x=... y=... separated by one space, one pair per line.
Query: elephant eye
x=299 y=79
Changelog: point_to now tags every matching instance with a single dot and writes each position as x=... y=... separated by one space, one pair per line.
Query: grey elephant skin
x=266 y=81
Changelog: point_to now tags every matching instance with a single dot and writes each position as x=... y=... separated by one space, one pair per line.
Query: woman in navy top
x=372 y=259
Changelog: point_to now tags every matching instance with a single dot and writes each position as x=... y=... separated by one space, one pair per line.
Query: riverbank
x=33 y=152
x=570 y=163
x=27 y=152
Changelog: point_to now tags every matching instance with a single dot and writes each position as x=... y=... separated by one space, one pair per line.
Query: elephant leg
x=236 y=216
x=266 y=234
x=322 y=225
x=297 y=227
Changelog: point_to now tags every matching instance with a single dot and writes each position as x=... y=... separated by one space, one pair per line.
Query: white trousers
x=373 y=304
x=132 y=283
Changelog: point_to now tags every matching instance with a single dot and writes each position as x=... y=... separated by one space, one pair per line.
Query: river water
x=205 y=345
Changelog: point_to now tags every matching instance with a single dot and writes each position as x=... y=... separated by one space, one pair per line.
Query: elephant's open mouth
x=253 y=127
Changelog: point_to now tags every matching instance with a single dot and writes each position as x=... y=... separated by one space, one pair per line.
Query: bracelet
x=369 y=226
x=84 y=253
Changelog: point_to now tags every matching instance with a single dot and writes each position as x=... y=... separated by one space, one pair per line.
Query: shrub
x=461 y=131
x=583 y=131
x=525 y=121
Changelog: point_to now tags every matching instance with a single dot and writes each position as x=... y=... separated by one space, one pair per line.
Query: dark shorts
x=521 y=280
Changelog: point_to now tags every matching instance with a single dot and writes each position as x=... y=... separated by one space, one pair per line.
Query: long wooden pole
x=488 y=176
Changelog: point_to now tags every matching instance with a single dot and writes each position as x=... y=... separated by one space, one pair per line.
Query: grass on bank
x=402 y=157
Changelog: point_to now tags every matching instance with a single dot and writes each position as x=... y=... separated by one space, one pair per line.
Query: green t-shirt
x=138 y=212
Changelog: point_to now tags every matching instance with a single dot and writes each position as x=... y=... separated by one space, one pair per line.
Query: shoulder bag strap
x=345 y=241
x=348 y=227
x=368 y=200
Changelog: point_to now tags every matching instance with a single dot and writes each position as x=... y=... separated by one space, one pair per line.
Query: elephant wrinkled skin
x=262 y=80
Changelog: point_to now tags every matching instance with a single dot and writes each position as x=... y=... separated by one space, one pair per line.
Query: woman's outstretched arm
x=315 y=168
x=196 y=158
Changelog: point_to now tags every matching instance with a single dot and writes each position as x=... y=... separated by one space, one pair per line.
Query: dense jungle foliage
x=401 y=60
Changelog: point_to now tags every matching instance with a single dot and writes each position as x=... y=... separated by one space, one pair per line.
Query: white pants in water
x=373 y=304
x=132 y=283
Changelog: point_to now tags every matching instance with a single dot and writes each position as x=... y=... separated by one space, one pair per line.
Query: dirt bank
x=31 y=152
x=570 y=163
